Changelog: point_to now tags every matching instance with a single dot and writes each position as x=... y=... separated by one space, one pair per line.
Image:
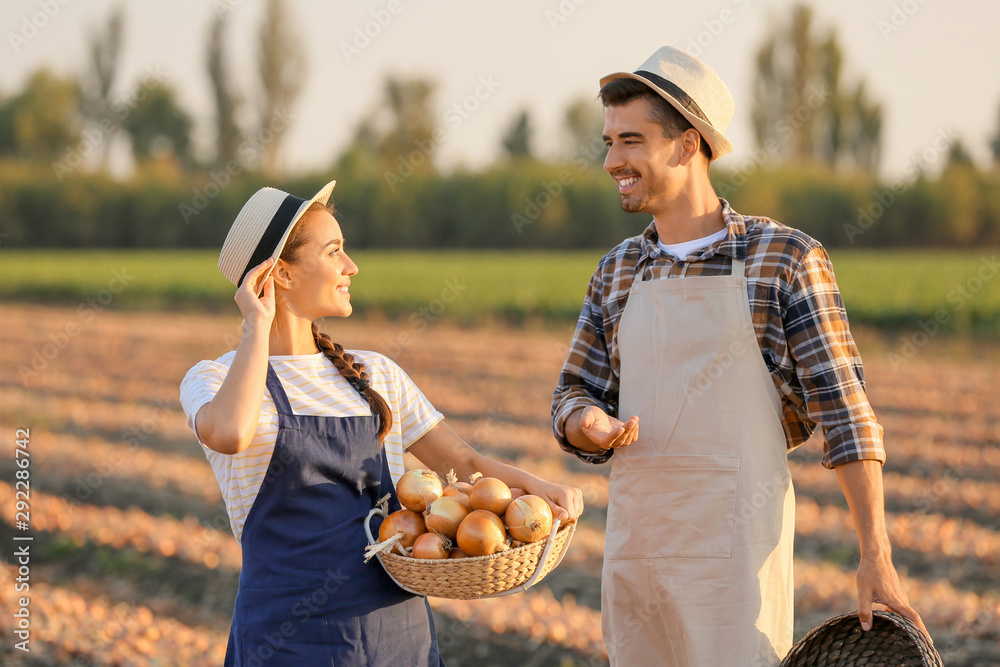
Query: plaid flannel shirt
x=799 y=320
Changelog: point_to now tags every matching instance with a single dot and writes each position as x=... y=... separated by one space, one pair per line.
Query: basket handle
x=549 y=542
x=376 y=511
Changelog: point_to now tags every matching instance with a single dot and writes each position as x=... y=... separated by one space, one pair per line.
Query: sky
x=934 y=65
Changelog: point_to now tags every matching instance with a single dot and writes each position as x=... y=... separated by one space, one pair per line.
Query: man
x=708 y=346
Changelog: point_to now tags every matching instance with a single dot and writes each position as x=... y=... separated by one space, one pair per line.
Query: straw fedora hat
x=261 y=229
x=693 y=88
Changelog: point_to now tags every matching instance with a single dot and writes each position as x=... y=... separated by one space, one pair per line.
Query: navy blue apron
x=306 y=597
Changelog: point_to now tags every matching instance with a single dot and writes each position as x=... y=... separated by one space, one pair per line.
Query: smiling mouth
x=627 y=183
x=344 y=289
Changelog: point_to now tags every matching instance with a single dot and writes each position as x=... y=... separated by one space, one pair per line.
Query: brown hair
x=353 y=371
x=622 y=91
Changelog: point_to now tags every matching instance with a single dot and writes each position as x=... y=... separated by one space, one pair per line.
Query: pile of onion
x=462 y=520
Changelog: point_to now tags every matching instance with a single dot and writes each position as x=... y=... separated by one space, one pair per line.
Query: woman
x=304 y=438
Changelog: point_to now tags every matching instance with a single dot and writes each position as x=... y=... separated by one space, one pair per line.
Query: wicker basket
x=840 y=642
x=472 y=578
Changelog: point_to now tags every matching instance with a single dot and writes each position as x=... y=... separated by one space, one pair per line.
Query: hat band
x=674 y=91
x=269 y=240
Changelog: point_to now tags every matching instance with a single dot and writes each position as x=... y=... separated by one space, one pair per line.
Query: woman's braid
x=354 y=372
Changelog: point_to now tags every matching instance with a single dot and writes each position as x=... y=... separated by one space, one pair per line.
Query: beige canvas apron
x=698 y=557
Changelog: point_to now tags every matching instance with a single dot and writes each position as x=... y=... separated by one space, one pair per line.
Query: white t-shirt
x=688 y=248
x=314 y=387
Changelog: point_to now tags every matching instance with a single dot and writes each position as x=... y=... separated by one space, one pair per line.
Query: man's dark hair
x=622 y=91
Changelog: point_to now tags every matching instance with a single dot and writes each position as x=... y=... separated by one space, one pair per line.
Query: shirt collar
x=734 y=245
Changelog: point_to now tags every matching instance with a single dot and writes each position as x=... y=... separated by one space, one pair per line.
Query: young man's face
x=641 y=160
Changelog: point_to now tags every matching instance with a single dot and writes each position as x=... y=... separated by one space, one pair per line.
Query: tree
x=227 y=100
x=282 y=66
x=958 y=154
x=399 y=133
x=800 y=110
x=8 y=145
x=584 y=123
x=862 y=137
x=963 y=189
x=95 y=84
x=411 y=122
x=517 y=139
x=361 y=155
x=43 y=119
x=995 y=142
x=159 y=127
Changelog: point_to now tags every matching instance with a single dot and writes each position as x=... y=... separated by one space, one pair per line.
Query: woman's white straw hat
x=261 y=229
x=693 y=88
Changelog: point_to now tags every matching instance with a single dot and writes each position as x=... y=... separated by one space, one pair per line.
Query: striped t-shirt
x=314 y=387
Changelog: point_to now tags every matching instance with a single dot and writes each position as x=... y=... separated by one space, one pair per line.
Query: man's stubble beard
x=634 y=204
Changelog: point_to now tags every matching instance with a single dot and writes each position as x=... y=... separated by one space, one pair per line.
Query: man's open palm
x=606 y=431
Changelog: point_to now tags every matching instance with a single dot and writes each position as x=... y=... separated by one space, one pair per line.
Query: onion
x=481 y=534
x=418 y=488
x=444 y=516
x=516 y=492
x=464 y=487
x=529 y=519
x=432 y=546
x=491 y=494
x=458 y=553
x=407 y=522
x=452 y=492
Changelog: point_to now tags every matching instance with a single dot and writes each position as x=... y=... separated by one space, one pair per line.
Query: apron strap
x=637 y=276
x=278 y=394
x=739 y=267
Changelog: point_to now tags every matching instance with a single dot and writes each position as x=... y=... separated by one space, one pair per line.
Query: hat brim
x=323 y=196
x=716 y=140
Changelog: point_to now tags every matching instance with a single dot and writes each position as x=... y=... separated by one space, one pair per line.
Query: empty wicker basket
x=840 y=642
x=504 y=573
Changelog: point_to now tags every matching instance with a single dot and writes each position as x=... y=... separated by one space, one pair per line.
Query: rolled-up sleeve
x=587 y=377
x=828 y=365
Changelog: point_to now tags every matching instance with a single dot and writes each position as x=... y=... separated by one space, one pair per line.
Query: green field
x=891 y=289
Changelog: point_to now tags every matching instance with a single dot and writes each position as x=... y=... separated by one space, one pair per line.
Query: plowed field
x=132 y=561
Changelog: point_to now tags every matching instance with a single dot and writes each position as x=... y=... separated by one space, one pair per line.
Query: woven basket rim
x=524 y=555
x=921 y=642
x=506 y=552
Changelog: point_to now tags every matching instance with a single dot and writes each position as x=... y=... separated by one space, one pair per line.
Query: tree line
x=530 y=204
x=815 y=164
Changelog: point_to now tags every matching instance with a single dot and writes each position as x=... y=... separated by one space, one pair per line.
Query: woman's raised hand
x=257 y=310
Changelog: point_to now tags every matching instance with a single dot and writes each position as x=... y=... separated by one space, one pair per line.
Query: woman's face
x=316 y=284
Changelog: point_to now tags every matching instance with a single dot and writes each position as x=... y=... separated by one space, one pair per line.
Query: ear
x=690 y=143
x=282 y=274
